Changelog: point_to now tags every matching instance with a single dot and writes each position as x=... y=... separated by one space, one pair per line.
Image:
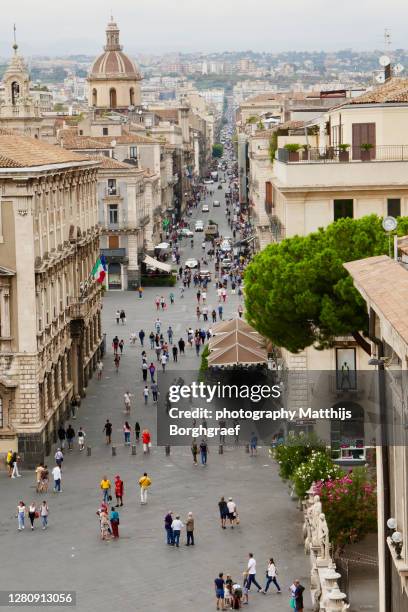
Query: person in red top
x=146 y=441
x=119 y=489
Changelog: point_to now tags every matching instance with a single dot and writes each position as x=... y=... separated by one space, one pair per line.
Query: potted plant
x=305 y=152
x=293 y=151
x=365 y=151
x=344 y=154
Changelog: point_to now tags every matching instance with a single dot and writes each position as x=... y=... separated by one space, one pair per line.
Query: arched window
x=94 y=97
x=132 y=96
x=112 y=98
x=15 y=92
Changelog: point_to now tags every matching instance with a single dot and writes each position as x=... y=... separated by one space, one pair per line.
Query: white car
x=208 y=182
x=191 y=263
x=226 y=262
x=199 y=226
x=187 y=233
x=225 y=246
x=216 y=203
x=205 y=208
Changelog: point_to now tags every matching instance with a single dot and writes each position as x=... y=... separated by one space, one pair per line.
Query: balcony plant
x=366 y=151
x=293 y=151
x=344 y=154
x=305 y=152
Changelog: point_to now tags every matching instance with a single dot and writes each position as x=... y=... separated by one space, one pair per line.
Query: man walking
x=176 y=526
x=168 y=520
x=203 y=452
x=141 y=337
x=175 y=352
x=144 y=483
x=181 y=345
x=56 y=474
x=252 y=573
x=108 y=431
x=105 y=487
x=155 y=391
x=170 y=334
x=70 y=436
x=190 y=529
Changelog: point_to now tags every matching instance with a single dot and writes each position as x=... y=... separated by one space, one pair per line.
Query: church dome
x=113 y=63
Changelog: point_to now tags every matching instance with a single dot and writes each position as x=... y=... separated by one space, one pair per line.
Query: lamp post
x=396 y=537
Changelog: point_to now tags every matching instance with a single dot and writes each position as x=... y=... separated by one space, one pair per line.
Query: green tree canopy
x=217 y=150
x=297 y=292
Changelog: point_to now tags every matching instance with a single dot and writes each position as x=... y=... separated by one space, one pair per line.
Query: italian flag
x=99 y=269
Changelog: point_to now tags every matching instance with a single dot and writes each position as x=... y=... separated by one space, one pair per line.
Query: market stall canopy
x=156 y=264
x=232 y=325
x=236 y=343
x=237 y=355
x=162 y=246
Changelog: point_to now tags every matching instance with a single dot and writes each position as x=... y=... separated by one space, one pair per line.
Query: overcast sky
x=156 y=26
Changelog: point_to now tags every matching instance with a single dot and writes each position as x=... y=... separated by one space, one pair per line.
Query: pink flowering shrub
x=350 y=506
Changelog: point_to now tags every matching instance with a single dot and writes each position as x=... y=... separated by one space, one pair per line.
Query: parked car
x=199 y=226
x=208 y=182
x=216 y=204
x=205 y=208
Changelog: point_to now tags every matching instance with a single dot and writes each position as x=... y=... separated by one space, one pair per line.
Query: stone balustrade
x=325 y=593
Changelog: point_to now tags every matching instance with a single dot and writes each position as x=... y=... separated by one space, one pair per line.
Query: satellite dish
x=384 y=60
x=398 y=68
x=380 y=78
x=389 y=224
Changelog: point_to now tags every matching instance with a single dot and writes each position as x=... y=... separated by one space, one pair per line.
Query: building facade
x=49 y=305
x=383 y=283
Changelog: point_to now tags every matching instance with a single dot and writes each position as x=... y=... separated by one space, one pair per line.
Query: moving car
x=208 y=181
x=185 y=232
x=205 y=208
x=225 y=246
x=216 y=204
x=191 y=263
x=199 y=226
x=226 y=262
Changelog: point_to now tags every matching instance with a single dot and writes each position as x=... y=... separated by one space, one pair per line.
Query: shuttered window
x=363 y=133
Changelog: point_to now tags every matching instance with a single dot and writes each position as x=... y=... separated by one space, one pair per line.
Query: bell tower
x=18 y=110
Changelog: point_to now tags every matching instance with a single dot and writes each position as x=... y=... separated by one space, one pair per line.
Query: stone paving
x=140 y=569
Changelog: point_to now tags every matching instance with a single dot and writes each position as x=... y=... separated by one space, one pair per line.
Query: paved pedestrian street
x=140 y=570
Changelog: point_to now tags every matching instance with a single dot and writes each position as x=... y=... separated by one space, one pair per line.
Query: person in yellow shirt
x=9 y=462
x=105 y=486
x=144 y=482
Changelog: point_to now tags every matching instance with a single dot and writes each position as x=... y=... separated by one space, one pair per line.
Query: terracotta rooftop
x=127 y=139
x=385 y=283
x=23 y=152
x=109 y=163
x=394 y=90
x=70 y=140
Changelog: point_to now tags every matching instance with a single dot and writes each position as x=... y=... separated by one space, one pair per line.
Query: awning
x=156 y=264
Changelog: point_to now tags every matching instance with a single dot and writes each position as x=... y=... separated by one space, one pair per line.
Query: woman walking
x=114 y=521
x=223 y=507
x=119 y=490
x=21 y=512
x=126 y=432
x=271 y=574
x=137 y=431
x=32 y=514
x=44 y=514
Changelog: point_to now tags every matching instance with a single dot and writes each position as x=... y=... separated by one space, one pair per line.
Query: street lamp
x=396 y=538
